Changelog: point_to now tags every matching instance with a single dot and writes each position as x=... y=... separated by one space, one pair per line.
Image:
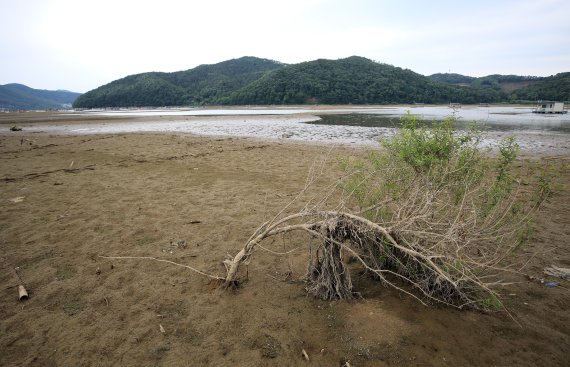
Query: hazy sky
x=79 y=45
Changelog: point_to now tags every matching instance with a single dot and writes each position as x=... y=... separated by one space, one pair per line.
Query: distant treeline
x=515 y=87
x=20 y=97
x=354 y=80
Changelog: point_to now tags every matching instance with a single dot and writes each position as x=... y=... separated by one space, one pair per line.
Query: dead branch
x=451 y=252
x=161 y=260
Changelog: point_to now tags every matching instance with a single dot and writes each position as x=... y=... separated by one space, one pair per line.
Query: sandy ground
x=192 y=200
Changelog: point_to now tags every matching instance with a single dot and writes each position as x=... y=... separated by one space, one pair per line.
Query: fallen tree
x=429 y=214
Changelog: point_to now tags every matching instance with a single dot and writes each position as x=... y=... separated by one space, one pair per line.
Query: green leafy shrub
x=438 y=191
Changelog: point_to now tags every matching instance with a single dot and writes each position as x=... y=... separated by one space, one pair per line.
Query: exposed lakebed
x=545 y=134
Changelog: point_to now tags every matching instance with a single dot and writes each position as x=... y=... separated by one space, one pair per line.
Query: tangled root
x=327 y=275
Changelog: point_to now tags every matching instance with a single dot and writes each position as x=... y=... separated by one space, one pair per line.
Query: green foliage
x=374 y=179
x=205 y=84
x=353 y=80
x=424 y=146
x=21 y=97
x=502 y=84
x=435 y=151
x=554 y=88
x=452 y=78
x=504 y=178
x=439 y=194
x=546 y=185
x=491 y=302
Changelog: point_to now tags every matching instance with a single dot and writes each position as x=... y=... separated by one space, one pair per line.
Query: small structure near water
x=550 y=107
x=455 y=106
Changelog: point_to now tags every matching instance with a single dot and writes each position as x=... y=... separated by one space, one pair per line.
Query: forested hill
x=353 y=80
x=251 y=80
x=515 y=87
x=452 y=78
x=553 y=88
x=20 y=97
x=205 y=84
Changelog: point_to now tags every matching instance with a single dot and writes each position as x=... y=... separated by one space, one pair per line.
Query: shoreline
x=279 y=129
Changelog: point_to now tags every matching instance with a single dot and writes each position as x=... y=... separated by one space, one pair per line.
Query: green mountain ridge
x=554 y=88
x=353 y=80
x=518 y=87
x=205 y=84
x=21 y=97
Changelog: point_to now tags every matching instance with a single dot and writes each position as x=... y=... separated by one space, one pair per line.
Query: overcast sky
x=79 y=45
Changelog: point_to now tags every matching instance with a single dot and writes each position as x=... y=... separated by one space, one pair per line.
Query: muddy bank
x=542 y=136
x=192 y=200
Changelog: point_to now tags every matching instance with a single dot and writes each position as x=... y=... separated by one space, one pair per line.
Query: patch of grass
x=491 y=302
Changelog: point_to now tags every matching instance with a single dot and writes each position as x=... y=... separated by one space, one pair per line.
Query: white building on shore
x=549 y=107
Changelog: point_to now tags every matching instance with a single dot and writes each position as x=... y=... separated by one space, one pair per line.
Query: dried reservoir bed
x=66 y=200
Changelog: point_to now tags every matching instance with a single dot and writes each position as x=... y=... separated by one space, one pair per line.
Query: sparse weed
x=491 y=302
